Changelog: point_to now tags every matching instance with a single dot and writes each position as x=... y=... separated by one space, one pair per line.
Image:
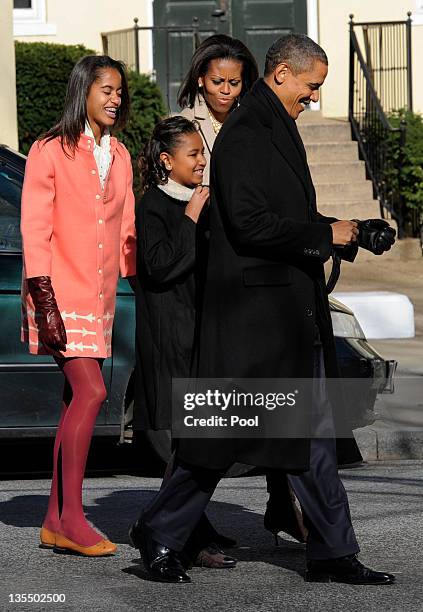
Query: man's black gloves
x=375 y=235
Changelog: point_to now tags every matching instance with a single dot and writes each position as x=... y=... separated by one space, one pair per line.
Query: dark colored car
x=31 y=386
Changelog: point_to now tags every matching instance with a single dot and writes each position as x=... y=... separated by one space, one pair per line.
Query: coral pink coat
x=79 y=235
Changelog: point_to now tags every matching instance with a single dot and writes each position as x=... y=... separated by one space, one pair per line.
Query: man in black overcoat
x=265 y=314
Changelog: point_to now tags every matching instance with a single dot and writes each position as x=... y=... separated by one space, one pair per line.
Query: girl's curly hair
x=164 y=139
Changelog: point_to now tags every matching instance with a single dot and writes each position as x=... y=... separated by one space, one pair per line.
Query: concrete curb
x=383 y=445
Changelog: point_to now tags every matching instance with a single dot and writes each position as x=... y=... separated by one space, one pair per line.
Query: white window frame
x=32 y=22
x=417 y=15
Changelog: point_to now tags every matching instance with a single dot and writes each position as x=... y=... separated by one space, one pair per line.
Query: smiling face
x=221 y=86
x=103 y=100
x=187 y=162
x=296 y=91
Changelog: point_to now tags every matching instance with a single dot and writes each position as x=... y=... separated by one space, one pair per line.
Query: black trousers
x=178 y=507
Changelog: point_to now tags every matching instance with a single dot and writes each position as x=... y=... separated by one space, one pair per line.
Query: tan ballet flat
x=103 y=548
x=47 y=538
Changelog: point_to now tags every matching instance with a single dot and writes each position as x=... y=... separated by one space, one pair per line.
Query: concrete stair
x=339 y=177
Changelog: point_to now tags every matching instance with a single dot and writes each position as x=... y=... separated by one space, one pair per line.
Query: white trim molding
x=313 y=32
x=32 y=21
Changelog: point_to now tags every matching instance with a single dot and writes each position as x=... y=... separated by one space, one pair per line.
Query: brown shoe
x=213 y=557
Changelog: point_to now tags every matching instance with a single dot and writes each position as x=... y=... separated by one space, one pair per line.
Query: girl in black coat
x=172 y=167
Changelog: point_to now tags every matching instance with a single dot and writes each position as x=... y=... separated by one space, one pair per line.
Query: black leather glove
x=51 y=330
x=375 y=235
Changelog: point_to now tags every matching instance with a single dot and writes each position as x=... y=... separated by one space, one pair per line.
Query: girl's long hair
x=164 y=139
x=218 y=46
x=74 y=115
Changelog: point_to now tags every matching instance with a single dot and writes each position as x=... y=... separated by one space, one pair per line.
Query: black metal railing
x=131 y=44
x=379 y=84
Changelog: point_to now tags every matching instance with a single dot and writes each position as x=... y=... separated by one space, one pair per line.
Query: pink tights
x=83 y=396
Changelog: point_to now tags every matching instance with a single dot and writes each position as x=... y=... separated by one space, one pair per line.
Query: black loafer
x=162 y=564
x=345 y=569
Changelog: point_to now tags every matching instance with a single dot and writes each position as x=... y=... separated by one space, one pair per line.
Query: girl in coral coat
x=78 y=232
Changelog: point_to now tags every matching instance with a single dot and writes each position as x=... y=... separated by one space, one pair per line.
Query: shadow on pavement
x=116 y=511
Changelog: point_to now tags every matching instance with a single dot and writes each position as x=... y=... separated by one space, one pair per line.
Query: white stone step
x=344 y=191
x=330 y=131
x=324 y=172
x=331 y=151
x=350 y=209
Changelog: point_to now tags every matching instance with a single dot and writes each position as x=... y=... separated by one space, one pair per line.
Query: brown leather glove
x=51 y=331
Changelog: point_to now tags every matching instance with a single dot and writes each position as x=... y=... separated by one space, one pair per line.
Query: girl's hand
x=197 y=202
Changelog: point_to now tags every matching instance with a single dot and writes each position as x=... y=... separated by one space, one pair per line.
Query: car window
x=10 y=207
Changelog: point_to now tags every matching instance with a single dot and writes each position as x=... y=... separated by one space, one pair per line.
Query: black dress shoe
x=345 y=569
x=161 y=563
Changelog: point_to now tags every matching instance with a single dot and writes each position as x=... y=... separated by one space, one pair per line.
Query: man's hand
x=375 y=235
x=344 y=232
x=196 y=203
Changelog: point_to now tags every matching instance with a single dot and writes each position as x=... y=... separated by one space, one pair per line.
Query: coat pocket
x=267 y=276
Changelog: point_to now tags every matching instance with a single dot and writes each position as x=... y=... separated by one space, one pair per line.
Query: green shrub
x=410 y=162
x=42 y=72
x=147 y=108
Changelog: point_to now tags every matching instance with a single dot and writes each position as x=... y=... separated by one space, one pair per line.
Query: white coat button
x=98 y=320
x=100 y=246
x=101 y=296
x=100 y=271
x=89 y=141
x=97 y=197
x=93 y=172
x=100 y=221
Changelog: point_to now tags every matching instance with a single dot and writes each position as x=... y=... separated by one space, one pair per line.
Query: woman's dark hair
x=83 y=75
x=218 y=46
x=164 y=139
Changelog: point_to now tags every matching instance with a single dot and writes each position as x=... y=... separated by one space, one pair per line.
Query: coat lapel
x=283 y=141
x=202 y=116
x=285 y=135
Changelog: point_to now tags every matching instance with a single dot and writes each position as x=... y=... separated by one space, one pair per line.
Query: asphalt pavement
x=386 y=505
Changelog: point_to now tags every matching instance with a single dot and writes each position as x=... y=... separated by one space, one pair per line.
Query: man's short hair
x=296 y=50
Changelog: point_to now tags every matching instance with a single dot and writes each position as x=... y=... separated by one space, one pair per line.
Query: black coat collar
x=285 y=136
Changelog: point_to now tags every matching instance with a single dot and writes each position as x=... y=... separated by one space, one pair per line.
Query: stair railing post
x=136 y=45
x=351 y=72
x=409 y=54
x=400 y=213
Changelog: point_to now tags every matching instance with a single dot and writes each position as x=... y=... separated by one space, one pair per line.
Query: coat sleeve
x=38 y=195
x=243 y=202
x=166 y=253
x=128 y=240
